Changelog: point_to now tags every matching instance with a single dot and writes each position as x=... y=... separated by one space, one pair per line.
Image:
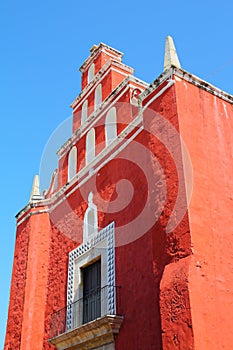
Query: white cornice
x=86 y=173
x=99 y=77
x=100 y=160
x=84 y=97
x=109 y=150
x=109 y=101
x=23 y=211
x=96 y=50
x=181 y=73
x=157 y=82
x=202 y=84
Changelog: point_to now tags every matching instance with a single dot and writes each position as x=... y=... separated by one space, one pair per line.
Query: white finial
x=170 y=57
x=90 y=199
x=35 y=193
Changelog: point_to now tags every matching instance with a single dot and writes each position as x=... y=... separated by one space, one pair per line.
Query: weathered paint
x=175 y=285
x=206 y=124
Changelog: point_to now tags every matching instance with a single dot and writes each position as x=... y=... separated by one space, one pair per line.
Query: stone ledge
x=93 y=334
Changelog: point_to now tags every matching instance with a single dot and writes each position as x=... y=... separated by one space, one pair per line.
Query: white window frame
x=91 y=73
x=110 y=126
x=90 y=145
x=98 y=96
x=72 y=163
x=84 y=114
x=101 y=246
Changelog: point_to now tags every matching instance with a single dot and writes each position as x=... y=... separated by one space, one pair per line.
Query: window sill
x=99 y=332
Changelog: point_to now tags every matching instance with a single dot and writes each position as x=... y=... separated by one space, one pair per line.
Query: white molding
x=92 y=119
x=82 y=96
x=181 y=73
x=170 y=82
x=74 y=138
x=109 y=102
x=162 y=78
x=108 y=150
x=202 y=84
x=94 y=53
x=30 y=214
x=107 y=67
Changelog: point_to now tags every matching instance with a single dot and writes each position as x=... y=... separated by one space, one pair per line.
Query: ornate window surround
x=101 y=245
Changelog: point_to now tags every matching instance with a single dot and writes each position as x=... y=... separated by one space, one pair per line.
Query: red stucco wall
x=19 y=272
x=176 y=289
x=206 y=124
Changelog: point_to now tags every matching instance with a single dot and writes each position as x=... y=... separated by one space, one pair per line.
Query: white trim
x=108 y=150
x=98 y=97
x=91 y=86
x=110 y=126
x=83 y=128
x=107 y=102
x=202 y=84
x=113 y=56
x=87 y=93
x=91 y=73
x=192 y=79
x=72 y=163
x=90 y=146
x=30 y=214
x=84 y=111
x=170 y=83
x=107 y=67
x=102 y=154
x=160 y=80
x=92 y=208
x=101 y=245
x=94 y=53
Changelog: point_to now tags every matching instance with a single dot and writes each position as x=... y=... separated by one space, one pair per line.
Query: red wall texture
x=206 y=123
x=173 y=252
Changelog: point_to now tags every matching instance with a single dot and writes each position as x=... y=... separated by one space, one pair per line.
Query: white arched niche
x=110 y=126
x=72 y=163
x=84 y=112
x=55 y=180
x=90 y=145
x=98 y=96
x=91 y=73
x=90 y=224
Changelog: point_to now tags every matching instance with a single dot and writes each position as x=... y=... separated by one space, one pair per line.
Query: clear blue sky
x=44 y=43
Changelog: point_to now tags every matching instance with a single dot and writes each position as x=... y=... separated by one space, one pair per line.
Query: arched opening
x=98 y=96
x=91 y=73
x=90 y=146
x=84 y=112
x=110 y=126
x=72 y=163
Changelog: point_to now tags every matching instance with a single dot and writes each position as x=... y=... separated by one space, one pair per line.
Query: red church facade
x=131 y=246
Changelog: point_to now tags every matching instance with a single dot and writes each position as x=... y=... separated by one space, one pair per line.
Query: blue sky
x=44 y=43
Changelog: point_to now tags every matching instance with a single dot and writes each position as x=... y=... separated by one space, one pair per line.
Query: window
x=85 y=287
x=90 y=146
x=84 y=112
x=91 y=297
x=91 y=73
x=72 y=163
x=92 y=292
x=98 y=96
x=110 y=126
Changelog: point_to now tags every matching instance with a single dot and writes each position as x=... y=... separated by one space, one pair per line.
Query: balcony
x=89 y=322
